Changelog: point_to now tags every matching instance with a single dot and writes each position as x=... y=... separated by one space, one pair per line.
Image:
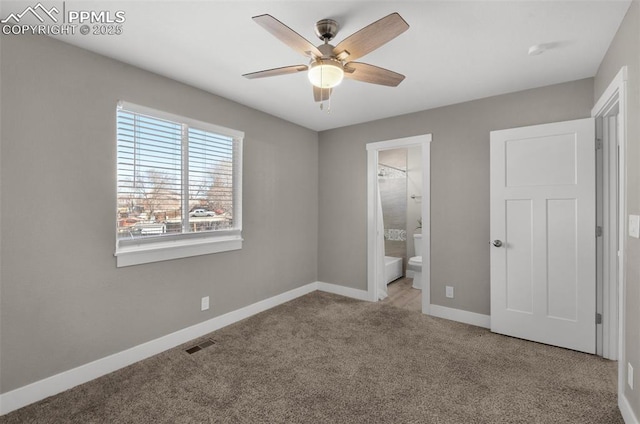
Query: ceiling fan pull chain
x=321 y=91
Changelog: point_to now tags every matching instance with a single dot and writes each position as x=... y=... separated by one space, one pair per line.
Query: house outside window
x=178 y=186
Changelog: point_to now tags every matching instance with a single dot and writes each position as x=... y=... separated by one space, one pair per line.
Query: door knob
x=497 y=243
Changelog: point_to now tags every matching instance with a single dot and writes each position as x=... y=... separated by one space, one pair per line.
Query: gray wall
x=64 y=303
x=625 y=50
x=459 y=186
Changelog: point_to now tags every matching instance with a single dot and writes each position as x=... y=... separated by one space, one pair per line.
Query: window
x=179 y=186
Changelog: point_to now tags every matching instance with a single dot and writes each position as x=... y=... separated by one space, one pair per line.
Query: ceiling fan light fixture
x=326 y=73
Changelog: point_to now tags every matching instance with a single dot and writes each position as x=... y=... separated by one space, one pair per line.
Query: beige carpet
x=327 y=359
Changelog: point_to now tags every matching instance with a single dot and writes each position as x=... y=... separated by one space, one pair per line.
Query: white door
x=543 y=217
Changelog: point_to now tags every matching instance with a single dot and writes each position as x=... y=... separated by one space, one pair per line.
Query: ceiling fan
x=330 y=64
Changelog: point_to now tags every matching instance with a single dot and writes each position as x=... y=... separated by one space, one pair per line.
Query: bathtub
x=392 y=268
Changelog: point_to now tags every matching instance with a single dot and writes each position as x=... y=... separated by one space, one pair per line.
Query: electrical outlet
x=204 y=303
x=449 y=292
x=630 y=375
x=634 y=226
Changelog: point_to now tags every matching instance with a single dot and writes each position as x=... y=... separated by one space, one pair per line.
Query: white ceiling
x=454 y=51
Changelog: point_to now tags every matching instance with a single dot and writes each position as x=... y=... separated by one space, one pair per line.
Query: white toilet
x=415 y=263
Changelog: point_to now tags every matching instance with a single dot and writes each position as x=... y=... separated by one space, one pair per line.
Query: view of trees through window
x=172 y=178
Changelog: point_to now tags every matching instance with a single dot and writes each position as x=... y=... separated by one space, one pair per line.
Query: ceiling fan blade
x=276 y=71
x=321 y=94
x=372 y=36
x=288 y=36
x=372 y=74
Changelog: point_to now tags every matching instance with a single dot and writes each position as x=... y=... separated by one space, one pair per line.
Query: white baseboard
x=344 y=291
x=55 y=384
x=459 y=315
x=625 y=409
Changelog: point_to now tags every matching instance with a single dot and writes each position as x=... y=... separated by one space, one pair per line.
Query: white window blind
x=177 y=179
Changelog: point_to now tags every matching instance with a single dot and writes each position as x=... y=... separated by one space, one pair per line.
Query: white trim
x=50 y=386
x=58 y=383
x=397 y=143
x=168 y=116
x=460 y=315
x=344 y=291
x=180 y=248
x=626 y=411
x=144 y=250
x=423 y=141
x=372 y=223
x=608 y=98
x=614 y=328
x=426 y=226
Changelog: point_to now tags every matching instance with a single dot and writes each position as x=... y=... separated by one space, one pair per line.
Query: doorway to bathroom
x=398 y=208
x=400 y=194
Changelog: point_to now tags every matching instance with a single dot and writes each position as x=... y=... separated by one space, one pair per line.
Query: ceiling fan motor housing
x=326 y=29
x=326 y=50
x=328 y=57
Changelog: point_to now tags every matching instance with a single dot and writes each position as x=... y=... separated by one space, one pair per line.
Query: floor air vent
x=203 y=345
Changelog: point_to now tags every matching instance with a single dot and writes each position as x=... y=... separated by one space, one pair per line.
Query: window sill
x=176 y=249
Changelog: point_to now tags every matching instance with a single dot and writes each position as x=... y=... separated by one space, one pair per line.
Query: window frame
x=175 y=246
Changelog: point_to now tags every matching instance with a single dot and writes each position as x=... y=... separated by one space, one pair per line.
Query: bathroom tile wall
x=393 y=193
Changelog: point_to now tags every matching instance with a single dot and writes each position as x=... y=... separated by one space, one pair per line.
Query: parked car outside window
x=201 y=212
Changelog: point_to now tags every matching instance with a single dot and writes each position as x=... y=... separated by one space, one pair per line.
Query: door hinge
x=598 y=143
x=598 y=318
x=598 y=231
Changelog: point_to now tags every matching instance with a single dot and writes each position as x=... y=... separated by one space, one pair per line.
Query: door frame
x=614 y=98
x=423 y=141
